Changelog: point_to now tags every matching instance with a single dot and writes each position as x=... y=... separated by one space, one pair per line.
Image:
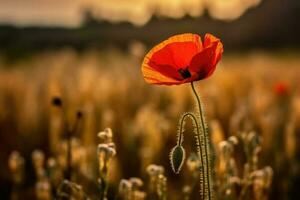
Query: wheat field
x=254 y=127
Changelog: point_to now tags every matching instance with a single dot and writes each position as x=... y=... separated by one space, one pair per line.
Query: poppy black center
x=185 y=73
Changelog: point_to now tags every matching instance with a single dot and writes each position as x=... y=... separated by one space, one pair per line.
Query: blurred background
x=89 y=52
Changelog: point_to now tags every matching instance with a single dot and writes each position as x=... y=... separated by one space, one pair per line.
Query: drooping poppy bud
x=177 y=157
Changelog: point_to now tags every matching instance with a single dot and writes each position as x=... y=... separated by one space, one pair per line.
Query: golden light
x=138 y=12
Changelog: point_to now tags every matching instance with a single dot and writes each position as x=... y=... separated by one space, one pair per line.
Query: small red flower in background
x=182 y=59
x=281 y=88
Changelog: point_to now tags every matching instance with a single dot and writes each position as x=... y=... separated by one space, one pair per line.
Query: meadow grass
x=253 y=129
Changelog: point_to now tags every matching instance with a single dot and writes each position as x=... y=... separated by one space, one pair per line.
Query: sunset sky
x=70 y=12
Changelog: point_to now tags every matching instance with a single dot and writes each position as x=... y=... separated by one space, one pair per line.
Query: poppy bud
x=56 y=101
x=177 y=157
x=79 y=114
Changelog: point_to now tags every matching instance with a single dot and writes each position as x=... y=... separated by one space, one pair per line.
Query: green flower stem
x=103 y=187
x=198 y=144
x=206 y=146
x=68 y=132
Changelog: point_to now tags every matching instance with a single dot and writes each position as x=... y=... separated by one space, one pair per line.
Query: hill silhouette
x=273 y=24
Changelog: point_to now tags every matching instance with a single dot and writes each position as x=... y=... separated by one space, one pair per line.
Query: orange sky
x=69 y=12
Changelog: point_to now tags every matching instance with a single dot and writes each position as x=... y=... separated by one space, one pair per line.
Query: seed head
x=193 y=162
x=155 y=170
x=136 y=182
x=106 y=135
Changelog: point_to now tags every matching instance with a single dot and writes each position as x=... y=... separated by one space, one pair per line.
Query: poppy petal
x=166 y=70
x=165 y=59
x=202 y=64
x=153 y=77
x=210 y=40
x=177 y=54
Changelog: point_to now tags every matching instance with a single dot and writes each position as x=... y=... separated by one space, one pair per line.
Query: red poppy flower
x=281 y=88
x=181 y=59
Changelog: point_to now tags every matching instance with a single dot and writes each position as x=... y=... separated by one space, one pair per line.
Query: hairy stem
x=68 y=135
x=198 y=144
x=208 y=170
x=103 y=188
